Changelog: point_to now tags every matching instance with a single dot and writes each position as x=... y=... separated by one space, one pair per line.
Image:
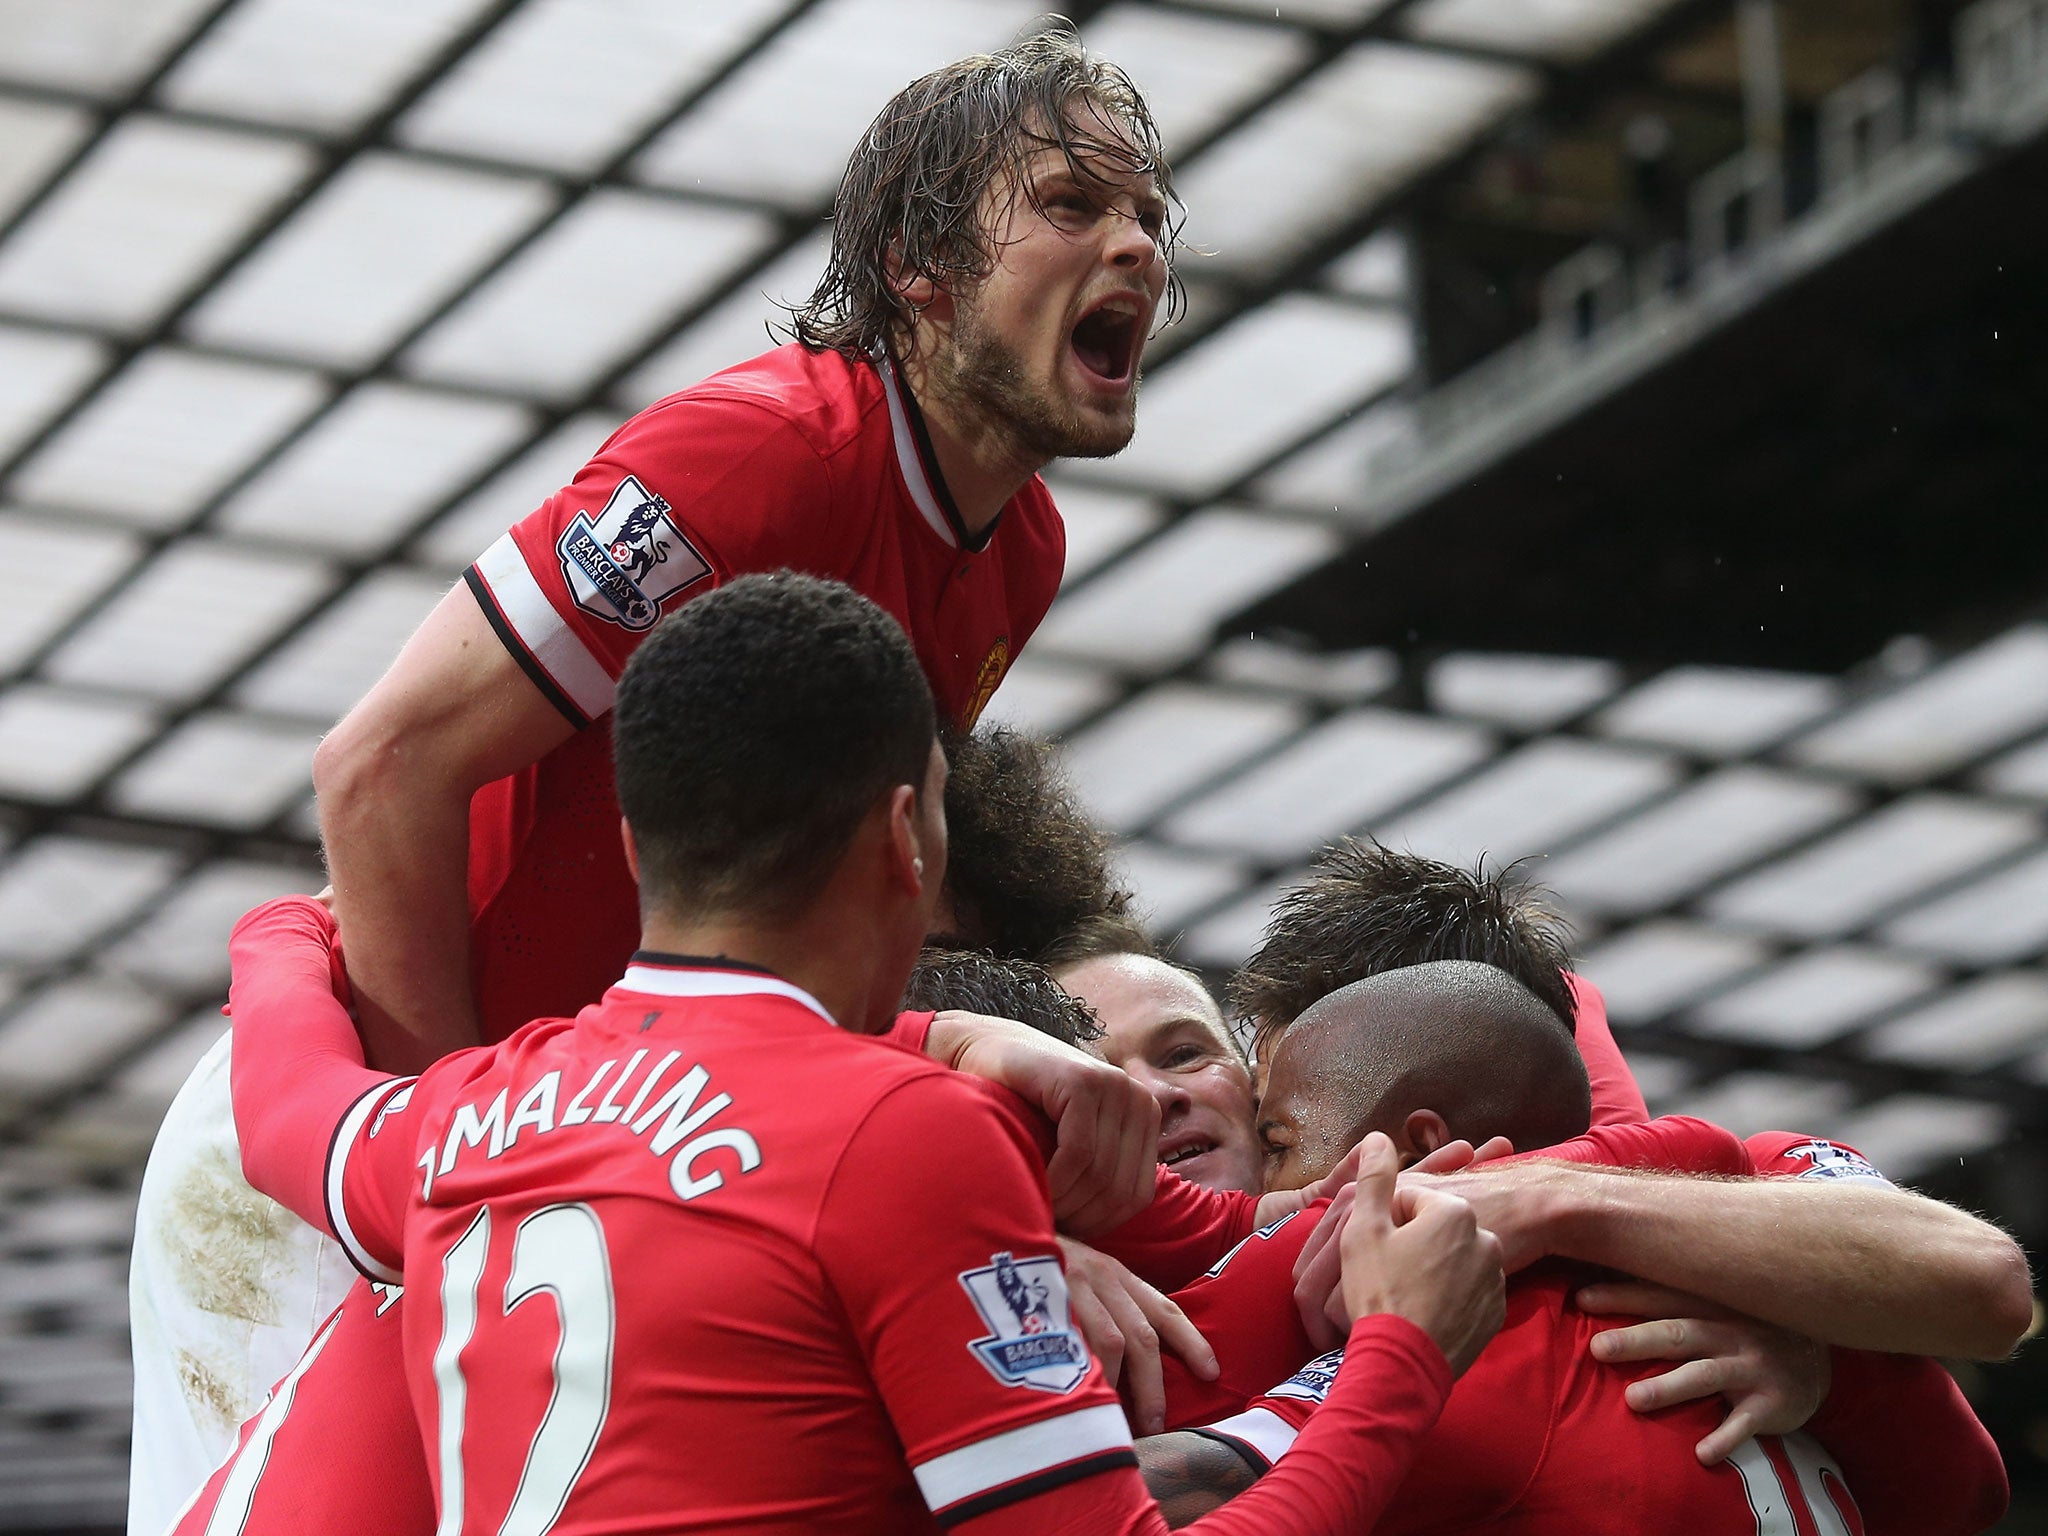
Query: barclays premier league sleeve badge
x=1031 y=1341
x=624 y=564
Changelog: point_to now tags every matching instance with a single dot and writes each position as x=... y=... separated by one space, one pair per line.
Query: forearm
x=1850 y=1264
x=297 y=1065
x=398 y=856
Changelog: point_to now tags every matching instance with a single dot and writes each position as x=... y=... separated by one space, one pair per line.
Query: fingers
x=1318 y=1277
x=1664 y=1338
x=1739 y=1426
x=1102 y=1172
x=1687 y=1384
x=1639 y=1298
x=1487 y=1151
x=1089 y=1315
x=1176 y=1333
x=1448 y=1158
x=1379 y=1166
x=1143 y=1384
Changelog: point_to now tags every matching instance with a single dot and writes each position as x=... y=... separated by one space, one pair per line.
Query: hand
x=1104 y=1167
x=1517 y=1203
x=1421 y=1254
x=1125 y=1321
x=1317 y=1269
x=1772 y=1379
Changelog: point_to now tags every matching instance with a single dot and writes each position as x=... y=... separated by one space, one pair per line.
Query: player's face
x=1161 y=1027
x=1044 y=349
x=1302 y=1133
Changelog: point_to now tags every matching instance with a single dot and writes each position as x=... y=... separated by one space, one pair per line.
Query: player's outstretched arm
x=297 y=1067
x=395 y=778
x=1859 y=1265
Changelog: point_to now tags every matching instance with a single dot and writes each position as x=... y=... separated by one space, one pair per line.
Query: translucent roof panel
x=64 y=1033
x=195 y=612
x=1225 y=939
x=155 y=1076
x=843 y=60
x=1162 y=602
x=1334 y=677
x=1978 y=1025
x=73 y=567
x=59 y=893
x=97 y=46
x=2022 y=771
x=1708 y=828
x=1908 y=1134
x=1218 y=410
x=382 y=245
x=165 y=435
x=326 y=65
x=1100 y=522
x=35 y=138
x=1992 y=921
x=1522 y=692
x=1655 y=968
x=184 y=942
x=1530 y=802
x=222 y=770
x=1719 y=711
x=1166 y=741
x=1345 y=774
x=470 y=525
x=1338 y=143
x=1813 y=997
x=373 y=467
x=1194 y=70
x=54 y=743
x=1381 y=266
x=1315 y=13
x=154 y=205
x=1047 y=697
x=568 y=84
x=1173 y=884
x=325 y=668
x=1983 y=700
x=1749 y=1103
x=41 y=372
x=1332 y=472
x=734 y=329
x=615 y=269
x=1839 y=884
x=1561 y=31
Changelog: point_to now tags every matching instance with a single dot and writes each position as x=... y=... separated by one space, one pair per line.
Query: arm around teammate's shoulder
x=395 y=779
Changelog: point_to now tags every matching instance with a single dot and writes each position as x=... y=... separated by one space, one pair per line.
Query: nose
x=1131 y=246
x=1172 y=1098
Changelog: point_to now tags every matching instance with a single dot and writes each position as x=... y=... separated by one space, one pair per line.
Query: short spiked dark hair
x=1365 y=908
x=753 y=730
x=911 y=203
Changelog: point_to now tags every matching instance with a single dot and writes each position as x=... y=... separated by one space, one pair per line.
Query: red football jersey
x=795 y=459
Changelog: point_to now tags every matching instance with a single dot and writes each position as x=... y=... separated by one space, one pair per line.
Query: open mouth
x=1107 y=338
x=1183 y=1151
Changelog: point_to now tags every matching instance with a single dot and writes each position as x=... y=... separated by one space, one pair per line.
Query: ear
x=1423 y=1132
x=632 y=853
x=904 y=852
x=915 y=289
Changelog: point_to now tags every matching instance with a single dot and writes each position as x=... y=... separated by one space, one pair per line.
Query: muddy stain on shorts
x=209 y=1392
x=223 y=1242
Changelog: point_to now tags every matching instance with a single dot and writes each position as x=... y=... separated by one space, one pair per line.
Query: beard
x=982 y=379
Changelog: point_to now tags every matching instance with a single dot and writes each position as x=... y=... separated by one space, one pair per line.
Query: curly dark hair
x=978 y=982
x=753 y=730
x=1365 y=909
x=911 y=203
x=1025 y=865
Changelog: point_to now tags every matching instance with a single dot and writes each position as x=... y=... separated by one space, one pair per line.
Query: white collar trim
x=914 y=478
x=663 y=982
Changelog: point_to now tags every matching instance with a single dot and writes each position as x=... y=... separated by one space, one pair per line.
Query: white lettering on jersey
x=675 y=1115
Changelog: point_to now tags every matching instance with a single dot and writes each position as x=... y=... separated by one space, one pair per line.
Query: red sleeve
x=335 y=1449
x=1340 y=1473
x=1616 y=1098
x=1182 y=1232
x=1789 y=1154
x=965 y=1331
x=1672 y=1144
x=910 y=1031
x=689 y=493
x=1244 y=1306
x=1910 y=1448
x=297 y=1068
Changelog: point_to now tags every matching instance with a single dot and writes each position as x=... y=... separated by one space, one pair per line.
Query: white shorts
x=225 y=1290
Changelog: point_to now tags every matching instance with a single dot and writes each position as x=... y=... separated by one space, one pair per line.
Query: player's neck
x=823 y=953
x=978 y=458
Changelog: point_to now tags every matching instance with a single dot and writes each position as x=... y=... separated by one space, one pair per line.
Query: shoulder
x=1793 y=1154
x=814 y=401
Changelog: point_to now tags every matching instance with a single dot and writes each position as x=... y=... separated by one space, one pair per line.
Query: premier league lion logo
x=631 y=558
x=1031 y=1341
